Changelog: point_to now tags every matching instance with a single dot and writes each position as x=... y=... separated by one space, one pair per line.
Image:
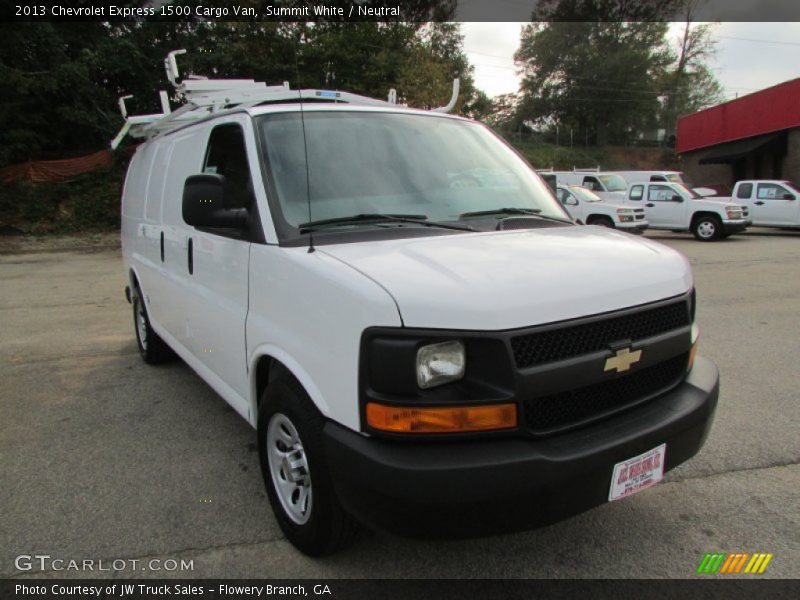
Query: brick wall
x=791 y=163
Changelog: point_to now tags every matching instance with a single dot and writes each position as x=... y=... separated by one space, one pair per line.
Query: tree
x=597 y=77
x=690 y=85
x=436 y=57
x=505 y=112
x=59 y=82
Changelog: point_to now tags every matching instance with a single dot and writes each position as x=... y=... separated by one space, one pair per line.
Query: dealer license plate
x=637 y=473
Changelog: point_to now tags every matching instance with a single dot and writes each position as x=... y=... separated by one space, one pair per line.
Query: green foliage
x=88 y=203
x=546 y=156
x=597 y=75
x=607 y=66
x=59 y=82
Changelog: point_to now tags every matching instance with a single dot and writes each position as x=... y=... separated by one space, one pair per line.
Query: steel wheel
x=706 y=229
x=289 y=468
x=141 y=324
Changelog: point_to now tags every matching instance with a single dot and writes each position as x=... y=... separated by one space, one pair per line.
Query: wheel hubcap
x=288 y=468
x=141 y=324
x=706 y=229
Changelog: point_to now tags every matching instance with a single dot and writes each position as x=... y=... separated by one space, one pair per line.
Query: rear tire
x=601 y=221
x=707 y=228
x=152 y=348
x=295 y=471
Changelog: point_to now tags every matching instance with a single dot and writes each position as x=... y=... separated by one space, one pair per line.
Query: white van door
x=174 y=289
x=218 y=266
x=774 y=204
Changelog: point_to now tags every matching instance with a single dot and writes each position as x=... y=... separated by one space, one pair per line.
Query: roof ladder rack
x=204 y=97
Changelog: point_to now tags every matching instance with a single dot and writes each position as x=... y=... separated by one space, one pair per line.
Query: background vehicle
x=651 y=176
x=771 y=202
x=676 y=207
x=587 y=207
x=608 y=186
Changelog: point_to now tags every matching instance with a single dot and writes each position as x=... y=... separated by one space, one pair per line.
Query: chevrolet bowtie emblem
x=623 y=360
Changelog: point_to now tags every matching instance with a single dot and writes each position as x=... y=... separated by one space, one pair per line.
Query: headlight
x=440 y=363
x=733 y=213
x=625 y=215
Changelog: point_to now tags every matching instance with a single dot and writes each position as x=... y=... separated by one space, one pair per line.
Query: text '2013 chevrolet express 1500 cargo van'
x=422 y=338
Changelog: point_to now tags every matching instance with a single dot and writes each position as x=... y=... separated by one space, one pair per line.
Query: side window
x=659 y=193
x=227 y=156
x=569 y=199
x=772 y=191
x=637 y=191
x=745 y=190
x=590 y=183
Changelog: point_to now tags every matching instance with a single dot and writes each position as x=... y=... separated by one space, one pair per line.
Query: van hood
x=509 y=279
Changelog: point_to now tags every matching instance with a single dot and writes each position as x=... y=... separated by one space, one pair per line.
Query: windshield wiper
x=370 y=217
x=530 y=212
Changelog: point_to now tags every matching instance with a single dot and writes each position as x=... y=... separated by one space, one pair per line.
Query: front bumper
x=480 y=487
x=633 y=227
x=736 y=226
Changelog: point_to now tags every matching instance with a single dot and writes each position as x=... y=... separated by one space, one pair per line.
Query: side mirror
x=788 y=196
x=204 y=203
x=677 y=198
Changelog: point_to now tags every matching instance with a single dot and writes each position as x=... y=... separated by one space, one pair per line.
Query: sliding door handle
x=162 y=246
x=191 y=258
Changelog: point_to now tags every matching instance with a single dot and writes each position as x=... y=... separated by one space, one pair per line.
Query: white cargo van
x=393 y=299
x=647 y=176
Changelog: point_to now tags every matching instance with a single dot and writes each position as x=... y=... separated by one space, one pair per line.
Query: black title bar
x=403 y=10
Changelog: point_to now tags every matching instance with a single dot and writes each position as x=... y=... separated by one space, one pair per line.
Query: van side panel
x=134 y=199
x=174 y=293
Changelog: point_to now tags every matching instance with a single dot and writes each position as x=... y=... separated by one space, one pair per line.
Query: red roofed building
x=753 y=137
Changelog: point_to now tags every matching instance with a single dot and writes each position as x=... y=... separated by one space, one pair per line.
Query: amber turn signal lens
x=693 y=351
x=692 y=354
x=462 y=419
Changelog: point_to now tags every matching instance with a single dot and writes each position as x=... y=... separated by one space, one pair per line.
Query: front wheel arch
x=710 y=233
x=601 y=220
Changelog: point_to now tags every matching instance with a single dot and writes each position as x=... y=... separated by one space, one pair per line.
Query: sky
x=750 y=56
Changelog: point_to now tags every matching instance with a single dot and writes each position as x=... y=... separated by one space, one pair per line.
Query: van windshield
x=674 y=177
x=613 y=183
x=366 y=163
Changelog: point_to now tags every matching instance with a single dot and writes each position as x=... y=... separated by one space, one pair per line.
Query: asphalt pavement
x=103 y=457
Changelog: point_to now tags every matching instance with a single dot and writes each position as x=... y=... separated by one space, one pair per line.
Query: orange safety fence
x=56 y=170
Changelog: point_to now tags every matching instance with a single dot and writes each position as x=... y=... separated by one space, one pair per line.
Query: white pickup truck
x=771 y=202
x=676 y=207
x=588 y=208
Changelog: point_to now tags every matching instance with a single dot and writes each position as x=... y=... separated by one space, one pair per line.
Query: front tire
x=602 y=221
x=295 y=471
x=707 y=228
x=152 y=348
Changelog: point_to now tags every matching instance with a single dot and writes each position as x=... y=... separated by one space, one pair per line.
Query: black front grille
x=572 y=407
x=576 y=340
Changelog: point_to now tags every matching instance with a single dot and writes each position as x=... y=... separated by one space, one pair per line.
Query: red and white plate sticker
x=638 y=473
